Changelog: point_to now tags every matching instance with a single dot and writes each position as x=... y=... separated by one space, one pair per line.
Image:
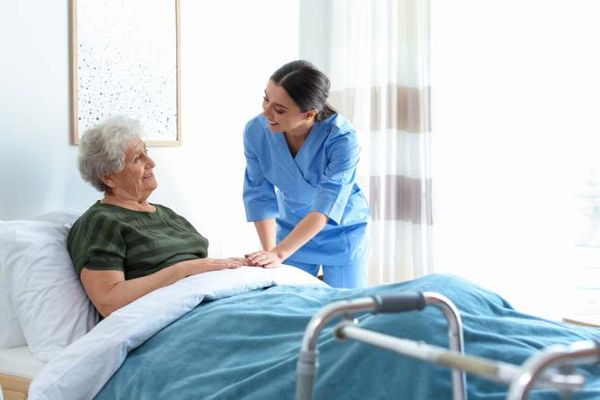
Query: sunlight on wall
x=226 y=60
x=515 y=88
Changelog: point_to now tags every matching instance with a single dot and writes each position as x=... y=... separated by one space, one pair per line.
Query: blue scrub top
x=321 y=177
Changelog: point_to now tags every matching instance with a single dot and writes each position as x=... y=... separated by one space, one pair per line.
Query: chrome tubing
x=581 y=352
x=493 y=370
x=308 y=359
x=455 y=339
x=308 y=362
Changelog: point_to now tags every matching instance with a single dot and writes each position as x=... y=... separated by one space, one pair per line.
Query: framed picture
x=125 y=61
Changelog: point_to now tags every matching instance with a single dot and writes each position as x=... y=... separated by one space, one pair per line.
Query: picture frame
x=125 y=61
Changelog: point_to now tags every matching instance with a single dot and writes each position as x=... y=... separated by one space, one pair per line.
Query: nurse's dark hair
x=306 y=85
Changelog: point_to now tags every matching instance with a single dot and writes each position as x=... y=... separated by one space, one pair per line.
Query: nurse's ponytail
x=325 y=112
x=306 y=85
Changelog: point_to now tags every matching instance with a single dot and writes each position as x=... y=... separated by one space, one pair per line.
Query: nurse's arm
x=310 y=225
x=266 y=232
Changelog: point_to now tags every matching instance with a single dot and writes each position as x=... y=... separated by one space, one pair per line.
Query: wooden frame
x=14 y=387
x=126 y=64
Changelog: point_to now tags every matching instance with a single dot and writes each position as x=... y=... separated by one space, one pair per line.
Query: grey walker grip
x=391 y=303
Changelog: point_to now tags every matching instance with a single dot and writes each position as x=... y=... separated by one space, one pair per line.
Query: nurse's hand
x=265 y=259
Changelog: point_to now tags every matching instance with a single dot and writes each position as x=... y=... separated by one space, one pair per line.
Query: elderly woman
x=124 y=246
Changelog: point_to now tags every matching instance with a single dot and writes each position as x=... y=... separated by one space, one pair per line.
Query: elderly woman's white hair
x=102 y=149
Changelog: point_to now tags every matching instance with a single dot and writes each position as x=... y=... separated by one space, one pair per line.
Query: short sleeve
x=339 y=176
x=95 y=242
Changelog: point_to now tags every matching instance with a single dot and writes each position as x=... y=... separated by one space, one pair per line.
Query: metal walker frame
x=533 y=372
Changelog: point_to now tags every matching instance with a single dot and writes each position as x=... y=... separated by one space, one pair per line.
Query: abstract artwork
x=125 y=62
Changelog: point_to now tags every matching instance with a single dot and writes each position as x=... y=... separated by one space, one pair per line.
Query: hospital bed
x=18 y=366
x=267 y=373
x=237 y=334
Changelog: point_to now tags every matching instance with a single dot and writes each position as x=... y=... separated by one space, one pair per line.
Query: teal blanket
x=246 y=347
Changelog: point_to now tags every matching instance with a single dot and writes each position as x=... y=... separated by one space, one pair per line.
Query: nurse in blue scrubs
x=300 y=186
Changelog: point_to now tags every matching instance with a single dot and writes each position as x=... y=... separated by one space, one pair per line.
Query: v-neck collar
x=304 y=144
x=286 y=147
x=289 y=146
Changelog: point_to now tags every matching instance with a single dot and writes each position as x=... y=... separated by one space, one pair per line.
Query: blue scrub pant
x=351 y=275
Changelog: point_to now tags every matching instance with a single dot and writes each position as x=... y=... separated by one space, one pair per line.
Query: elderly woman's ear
x=108 y=181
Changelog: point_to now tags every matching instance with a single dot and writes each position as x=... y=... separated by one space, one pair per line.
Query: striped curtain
x=379 y=73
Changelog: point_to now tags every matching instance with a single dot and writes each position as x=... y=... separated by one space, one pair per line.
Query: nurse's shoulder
x=338 y=127
x=256 y=131
x=256 y=126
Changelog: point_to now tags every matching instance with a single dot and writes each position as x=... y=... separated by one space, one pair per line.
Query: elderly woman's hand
x=200 y=265
x=238 y=261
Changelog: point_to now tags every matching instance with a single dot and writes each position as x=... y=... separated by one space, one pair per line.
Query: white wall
x=223 y=74
x=36 y=162
x=515 y=89
x=315 y=32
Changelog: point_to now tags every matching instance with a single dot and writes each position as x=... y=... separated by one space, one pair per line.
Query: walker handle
x=390 y=303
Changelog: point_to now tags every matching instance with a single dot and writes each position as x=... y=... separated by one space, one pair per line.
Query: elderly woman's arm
x=108 y=290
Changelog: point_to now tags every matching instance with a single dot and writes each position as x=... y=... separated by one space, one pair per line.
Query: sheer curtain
x=378 y=64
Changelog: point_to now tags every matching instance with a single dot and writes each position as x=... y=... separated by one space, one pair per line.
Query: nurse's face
x=282 y=113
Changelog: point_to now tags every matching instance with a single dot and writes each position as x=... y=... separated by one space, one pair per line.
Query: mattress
x=19 y=362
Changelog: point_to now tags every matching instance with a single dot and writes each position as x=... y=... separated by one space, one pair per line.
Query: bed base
x=14 y=387
x=520 y=378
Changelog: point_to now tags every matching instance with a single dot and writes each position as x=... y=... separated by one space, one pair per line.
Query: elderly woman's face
x=136 y=181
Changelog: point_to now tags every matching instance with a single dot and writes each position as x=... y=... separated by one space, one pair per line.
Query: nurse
x=300 y=186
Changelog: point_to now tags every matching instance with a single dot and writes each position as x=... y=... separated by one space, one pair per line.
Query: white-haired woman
x=124 y=246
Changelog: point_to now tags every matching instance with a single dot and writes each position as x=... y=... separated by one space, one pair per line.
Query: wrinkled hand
x=265 y=259
x=237 y=261
x=200 y=265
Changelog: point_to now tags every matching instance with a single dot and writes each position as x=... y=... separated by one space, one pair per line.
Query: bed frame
x=14 y=387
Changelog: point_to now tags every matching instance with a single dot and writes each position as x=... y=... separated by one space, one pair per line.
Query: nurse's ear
x=310 y=114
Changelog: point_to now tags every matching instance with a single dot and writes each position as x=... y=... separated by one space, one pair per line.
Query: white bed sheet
x=81 y=369
x=19 y=361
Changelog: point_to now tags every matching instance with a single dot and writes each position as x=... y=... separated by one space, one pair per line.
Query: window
x=515 y=136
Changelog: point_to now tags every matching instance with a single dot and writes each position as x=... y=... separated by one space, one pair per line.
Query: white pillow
x=48 y=298
x=11 y=334
x=10 y=330
x=66 y=216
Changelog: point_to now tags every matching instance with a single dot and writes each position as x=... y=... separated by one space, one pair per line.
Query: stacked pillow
x=42 y=302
